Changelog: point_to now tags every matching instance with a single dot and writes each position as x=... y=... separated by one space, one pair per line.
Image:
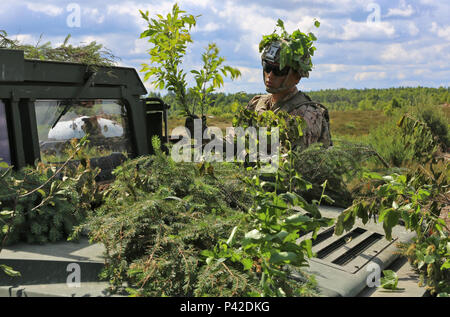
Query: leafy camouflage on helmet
x=294 y=50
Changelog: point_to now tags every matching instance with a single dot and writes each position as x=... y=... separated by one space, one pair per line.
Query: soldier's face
x=273 y=81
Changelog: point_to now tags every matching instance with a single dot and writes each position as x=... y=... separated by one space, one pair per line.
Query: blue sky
x=361 y=44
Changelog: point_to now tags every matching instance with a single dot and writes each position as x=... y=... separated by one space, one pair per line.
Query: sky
x=361 y=43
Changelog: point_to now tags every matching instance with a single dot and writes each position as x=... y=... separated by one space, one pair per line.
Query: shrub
x=389 y=142
x=435 y=119
x=158 y=216
x=45 y=203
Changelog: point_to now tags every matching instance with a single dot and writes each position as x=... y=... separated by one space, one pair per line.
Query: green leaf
x=307 y=244
x=254 y=235
x=345 y=221
x=207 y=253
x=297 y=219
x=247 y=263
x=390 y=220
x=446 y=265
x=283 y=257
x=6 y=213
x=389 y=280
x=5 y=229
x=280 y=23
x=316 y=24
x=429 y=259
x=9 y=271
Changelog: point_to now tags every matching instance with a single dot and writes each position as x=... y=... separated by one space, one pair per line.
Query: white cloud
x=48 y=9
x=398 y=54
x=369 y=76
x=94 y=15
x=443 y=32
x=198 y=3
x=251 y=75
x=403 y=11
x=330 y=68
x=413 y=29
x=353 y=30
x=209 y=27
x=141 y=46
x=132 y=8
x=401 y=75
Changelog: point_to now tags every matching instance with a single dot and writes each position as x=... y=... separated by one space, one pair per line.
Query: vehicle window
x=59 y=121
x=5 y=154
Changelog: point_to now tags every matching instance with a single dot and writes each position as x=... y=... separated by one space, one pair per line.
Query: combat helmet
x=271 y=54
x=293 y=51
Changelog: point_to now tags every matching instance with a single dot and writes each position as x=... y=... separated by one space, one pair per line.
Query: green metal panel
x=11 y=65
x=17 y=149
x=30 y=134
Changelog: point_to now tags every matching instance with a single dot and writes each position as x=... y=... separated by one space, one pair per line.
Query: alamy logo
x=373 y=279
x=375 y=15
x=74 y=278
x=74 y=18
x=255 y=150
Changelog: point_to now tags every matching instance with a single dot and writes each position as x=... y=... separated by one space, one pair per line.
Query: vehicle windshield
x=103 y=120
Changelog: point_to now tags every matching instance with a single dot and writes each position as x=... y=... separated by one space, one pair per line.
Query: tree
x=170 y=37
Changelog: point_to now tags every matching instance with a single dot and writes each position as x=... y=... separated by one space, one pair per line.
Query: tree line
x=334 y=99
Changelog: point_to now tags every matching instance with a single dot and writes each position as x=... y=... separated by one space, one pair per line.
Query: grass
x=355 y=122
x=350 y=124
x=221 y=122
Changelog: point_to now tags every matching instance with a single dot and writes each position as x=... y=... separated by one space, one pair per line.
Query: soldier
x=281 y=84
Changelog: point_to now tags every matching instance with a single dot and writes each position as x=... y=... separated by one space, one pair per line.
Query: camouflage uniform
x=299 y=104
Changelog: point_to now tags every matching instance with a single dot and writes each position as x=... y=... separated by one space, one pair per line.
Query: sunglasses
x=275 y=69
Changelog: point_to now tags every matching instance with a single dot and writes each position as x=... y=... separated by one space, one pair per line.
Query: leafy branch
x=169 y=37
x=210 y=72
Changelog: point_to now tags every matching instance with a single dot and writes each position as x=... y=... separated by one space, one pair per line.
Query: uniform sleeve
x=253 y=102
x=316 y=129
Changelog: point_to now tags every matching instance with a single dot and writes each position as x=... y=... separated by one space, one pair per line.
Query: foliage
x=389 y=280
x=277 y=223
x=157 y=218
x=170 y=37
x=435 y=120
x=277 y=219
x=210 y=71
x=337 y=166
x=393 y=105
x=166 y=228
x=296 y=50
x=92 y=54
x=43 y=204
x=290 y=127
x=335 y=100
x=416 y=197
x=390 y=142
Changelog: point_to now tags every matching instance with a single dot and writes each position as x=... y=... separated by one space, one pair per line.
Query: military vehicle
x=44 y=104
